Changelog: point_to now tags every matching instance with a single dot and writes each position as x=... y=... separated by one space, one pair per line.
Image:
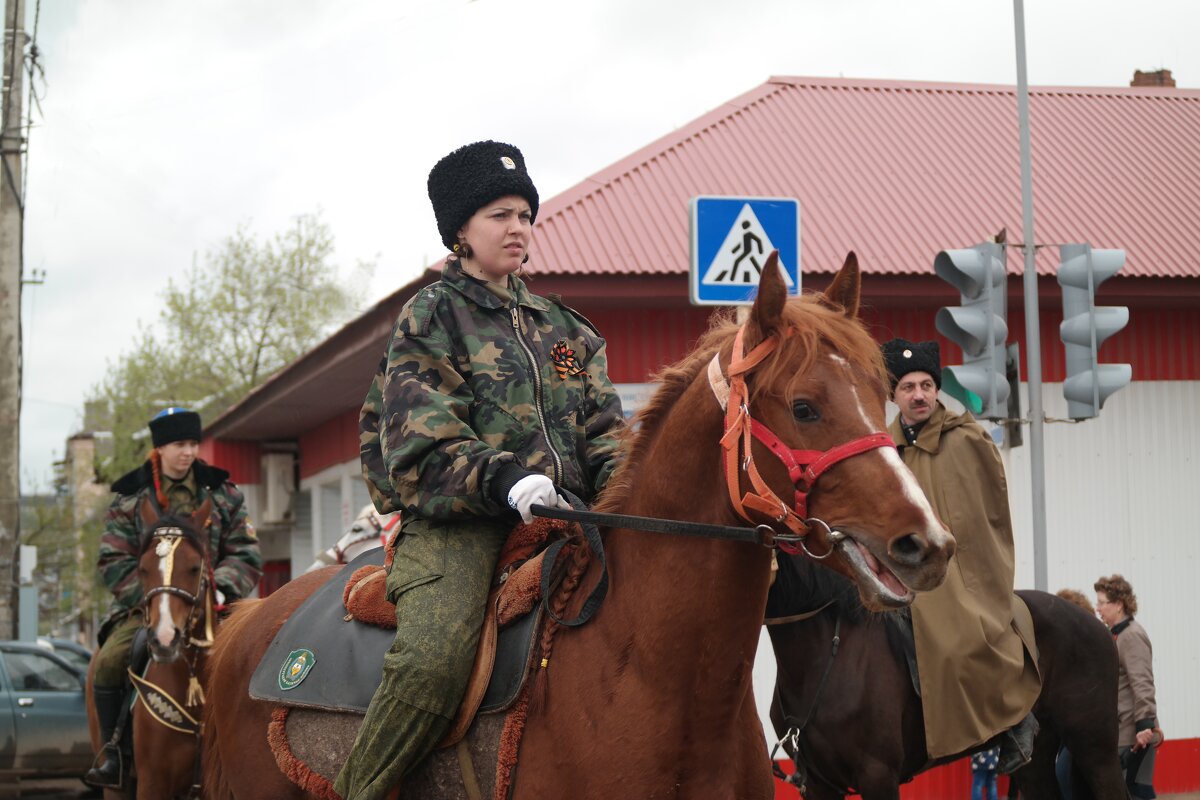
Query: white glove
x=534 y=490
x=220 y=597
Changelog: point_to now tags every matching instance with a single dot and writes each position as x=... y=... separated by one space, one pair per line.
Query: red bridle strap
x=808 y=465
x=803 y=466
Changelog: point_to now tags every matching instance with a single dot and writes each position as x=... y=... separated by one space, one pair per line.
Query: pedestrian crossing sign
x=731 y=238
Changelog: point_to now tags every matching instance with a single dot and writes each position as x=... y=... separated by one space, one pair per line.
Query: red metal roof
x=898 y=171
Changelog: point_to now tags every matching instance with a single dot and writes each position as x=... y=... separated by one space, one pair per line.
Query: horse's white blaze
x=938 y=536
x=165 y=630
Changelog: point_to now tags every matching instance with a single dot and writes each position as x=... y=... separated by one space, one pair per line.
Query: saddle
x=329 y=654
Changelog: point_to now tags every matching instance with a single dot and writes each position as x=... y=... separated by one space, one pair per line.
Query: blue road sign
x=731 y=239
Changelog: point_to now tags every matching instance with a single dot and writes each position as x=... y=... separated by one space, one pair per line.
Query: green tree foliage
x=66 y=531
x=247 y=309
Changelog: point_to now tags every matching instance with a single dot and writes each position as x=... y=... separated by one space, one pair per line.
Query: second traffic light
x=1086 y=325
x=978 y=324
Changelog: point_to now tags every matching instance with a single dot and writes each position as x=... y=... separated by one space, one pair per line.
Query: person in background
x=1078 y=598
x=179 y=482
x=1137 y=711
x=489 y=400
x=983 y=774
x=973 y=618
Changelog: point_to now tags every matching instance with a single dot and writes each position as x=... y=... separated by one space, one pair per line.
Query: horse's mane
x=811 y=319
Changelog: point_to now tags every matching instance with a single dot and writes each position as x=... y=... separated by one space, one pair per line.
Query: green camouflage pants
x=439 y=582
x=113 y=658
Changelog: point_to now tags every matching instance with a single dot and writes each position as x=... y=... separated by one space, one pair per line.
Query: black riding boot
x=1016 y=745
x=109 y=703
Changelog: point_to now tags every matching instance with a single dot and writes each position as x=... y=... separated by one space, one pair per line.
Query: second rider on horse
x=179 y=483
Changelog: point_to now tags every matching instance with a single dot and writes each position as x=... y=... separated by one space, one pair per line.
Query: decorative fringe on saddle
x=293 y=768
x=519 y=564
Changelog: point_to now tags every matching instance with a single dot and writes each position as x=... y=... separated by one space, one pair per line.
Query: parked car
x=73 y=652
x=43 y=714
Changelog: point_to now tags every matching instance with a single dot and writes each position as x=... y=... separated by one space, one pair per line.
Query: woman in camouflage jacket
x=181 y=483
x=488 y=400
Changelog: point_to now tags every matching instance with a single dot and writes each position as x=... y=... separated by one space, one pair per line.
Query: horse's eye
x=804 y=411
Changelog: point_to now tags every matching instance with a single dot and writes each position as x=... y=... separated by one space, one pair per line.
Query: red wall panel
x=332 y=442
x=1176 y=771
x=642 y=341
x=242 y=459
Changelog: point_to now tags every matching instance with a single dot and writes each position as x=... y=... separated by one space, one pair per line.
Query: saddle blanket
x=323 y=658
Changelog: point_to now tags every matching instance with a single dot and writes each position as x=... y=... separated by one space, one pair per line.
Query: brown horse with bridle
x=179 y=619
x=779 y=422
x=847 y=710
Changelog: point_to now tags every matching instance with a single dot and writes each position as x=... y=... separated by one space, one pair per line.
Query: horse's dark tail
x=221 y=693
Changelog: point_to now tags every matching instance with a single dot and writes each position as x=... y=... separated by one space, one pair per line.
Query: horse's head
x=369 y=530
x=173 y=569
x=821 y=465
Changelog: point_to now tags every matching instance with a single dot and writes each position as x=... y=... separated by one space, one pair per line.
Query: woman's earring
x=462 y=249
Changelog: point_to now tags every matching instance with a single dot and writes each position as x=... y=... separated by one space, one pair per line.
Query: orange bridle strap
x=804 y=466
x=739 y=438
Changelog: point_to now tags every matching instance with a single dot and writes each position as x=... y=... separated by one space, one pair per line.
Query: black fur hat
x=473 y=176
x=903 y=357
x=174 y=425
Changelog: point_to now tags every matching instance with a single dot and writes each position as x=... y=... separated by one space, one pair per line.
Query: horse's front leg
x=164 y=759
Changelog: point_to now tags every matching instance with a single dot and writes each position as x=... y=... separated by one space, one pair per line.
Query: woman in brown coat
x=1137 y=711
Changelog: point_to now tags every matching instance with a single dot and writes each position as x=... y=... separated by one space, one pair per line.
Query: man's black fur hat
x=473 y=176
x=903 y=357
x=174 y=425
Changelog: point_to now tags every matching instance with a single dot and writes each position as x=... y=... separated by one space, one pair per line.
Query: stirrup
x=100 y=776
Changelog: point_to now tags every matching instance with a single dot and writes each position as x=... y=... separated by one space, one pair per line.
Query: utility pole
x=1033 y=336
x=12 y=210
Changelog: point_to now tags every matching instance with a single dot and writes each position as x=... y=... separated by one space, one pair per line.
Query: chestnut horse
x=653 y=697
x=177 y=610
x=845 y=704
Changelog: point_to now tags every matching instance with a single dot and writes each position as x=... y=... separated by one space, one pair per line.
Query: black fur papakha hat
x=473 y=176
x=174 y=425
x=903 y=357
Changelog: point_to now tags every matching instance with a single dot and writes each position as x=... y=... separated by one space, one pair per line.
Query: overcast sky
x=165 y=124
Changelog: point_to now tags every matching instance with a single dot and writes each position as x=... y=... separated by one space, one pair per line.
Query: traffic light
x=1085 y=326
x=977 y=326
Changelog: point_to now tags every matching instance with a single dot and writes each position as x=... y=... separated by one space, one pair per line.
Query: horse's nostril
x=909 y=549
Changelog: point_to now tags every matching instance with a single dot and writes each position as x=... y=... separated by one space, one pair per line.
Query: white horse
x=369 y=530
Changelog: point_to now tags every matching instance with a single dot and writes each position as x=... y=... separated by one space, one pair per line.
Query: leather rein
x=741 y=430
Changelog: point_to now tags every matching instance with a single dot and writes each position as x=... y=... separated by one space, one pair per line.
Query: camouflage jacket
x=474 y=394
x=233 y=547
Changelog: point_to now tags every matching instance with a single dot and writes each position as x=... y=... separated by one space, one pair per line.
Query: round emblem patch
x=508 y=162
x=296 y=668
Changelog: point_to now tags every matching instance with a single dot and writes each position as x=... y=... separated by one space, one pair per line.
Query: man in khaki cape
x=976 y=656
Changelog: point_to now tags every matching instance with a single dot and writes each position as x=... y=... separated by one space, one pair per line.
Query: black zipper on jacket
x=537 y=394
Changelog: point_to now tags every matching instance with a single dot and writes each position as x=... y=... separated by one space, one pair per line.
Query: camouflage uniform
x=479 y=388
x=237 y=562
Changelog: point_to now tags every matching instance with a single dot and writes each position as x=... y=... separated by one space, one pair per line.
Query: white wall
x=337 y=494
x=1123 y=496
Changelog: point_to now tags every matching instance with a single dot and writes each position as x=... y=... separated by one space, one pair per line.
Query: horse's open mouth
x=874 y=575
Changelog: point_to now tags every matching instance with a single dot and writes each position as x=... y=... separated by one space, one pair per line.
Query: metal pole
x=1033 y=334
x=12 y=142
